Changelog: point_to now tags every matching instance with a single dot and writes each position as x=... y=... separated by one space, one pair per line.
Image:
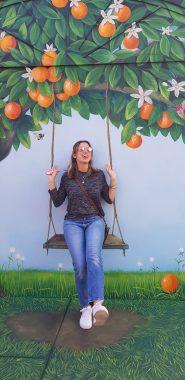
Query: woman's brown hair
x=72 y=167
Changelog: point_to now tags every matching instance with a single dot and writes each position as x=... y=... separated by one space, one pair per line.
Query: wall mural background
x=58 y=59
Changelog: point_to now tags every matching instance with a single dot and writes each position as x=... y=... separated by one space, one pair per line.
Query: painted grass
x=118 y=284
x=153 y=351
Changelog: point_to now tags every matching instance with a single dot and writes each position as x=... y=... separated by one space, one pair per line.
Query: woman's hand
x=52 y=172
x=110 y=172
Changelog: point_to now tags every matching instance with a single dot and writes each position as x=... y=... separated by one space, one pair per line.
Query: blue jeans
x=84 y=238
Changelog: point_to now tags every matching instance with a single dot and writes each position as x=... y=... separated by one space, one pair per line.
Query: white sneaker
x=86 y=317
x=100 y=314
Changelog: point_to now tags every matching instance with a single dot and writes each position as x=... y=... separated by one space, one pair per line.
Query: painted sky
x=150 y=197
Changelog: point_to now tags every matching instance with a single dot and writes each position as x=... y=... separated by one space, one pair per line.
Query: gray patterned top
x=78 y=203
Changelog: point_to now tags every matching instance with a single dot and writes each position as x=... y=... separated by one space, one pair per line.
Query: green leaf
x=2 y=104
x=154 y=129
x=131 y=109
x=75 y=102
x=103 y=55
x=61 y=27
x=18 y=56
x=2 y=134
x=16 y=143
x=178 y=50
x=13 y=79
x=24 y=138
x=66 y=108
x=76 y=26
x=26 y=51
x=165 y=46
x=155 y=115
x=144 y=55
x=34 y=33
x=71 y=73
x=16 y=90
x=8 y=124
x=175 y=117
x=149 y=32
x=94 y=75
x=10 y=17
x=149 y=81
x=145 y=131
x=48 y=12
x=84 y=109
x=175 y=132
x=128 y=130
x=119 y=101
x=164 y=91
x=130 y=77
x=115 y=75
x=54 y=114
x=23 y=31
x=87 y=46
x=78 y=59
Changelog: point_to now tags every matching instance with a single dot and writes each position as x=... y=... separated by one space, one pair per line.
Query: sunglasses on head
x=83 y=149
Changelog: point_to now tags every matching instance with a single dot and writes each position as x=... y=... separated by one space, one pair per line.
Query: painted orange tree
x=59 y=55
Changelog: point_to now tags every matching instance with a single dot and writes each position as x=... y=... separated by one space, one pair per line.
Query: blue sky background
x=149 y=198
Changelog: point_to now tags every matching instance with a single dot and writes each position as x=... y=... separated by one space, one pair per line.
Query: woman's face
x=83 y=155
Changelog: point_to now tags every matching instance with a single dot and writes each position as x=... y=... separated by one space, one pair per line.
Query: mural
x=122 y=61
x=60 y=55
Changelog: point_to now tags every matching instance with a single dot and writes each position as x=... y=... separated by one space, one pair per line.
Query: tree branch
x=126 y=90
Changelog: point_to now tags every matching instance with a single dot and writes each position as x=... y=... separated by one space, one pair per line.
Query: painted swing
x=57 y=241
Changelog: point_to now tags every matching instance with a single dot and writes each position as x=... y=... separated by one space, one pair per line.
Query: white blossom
x=133 y=31
x=151 y=259
x=17 y=256
x=175 y=86
x=74 y=3
x=60 y=265
x=166 y=31
x=108 y=17
x=117 y=5
x=50 y=48
x=143 y=96
x=12 y=249
x=28 y=75
x=2 y=35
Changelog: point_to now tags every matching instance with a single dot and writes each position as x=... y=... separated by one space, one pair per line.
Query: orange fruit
x=123 y=14
x=107 y=29
x=51 y=75
x=165 y=121
x=45 y=101
x=59 y=3
x=40 y=74
x=71 y=88
x=79 y=11
x=33 y=94
x=135 y=141
x=131 y=42
x=170 y=283
x=62 y=96
x=48 y=58
x=146 y=111
x=8 y=42
x=12 y=110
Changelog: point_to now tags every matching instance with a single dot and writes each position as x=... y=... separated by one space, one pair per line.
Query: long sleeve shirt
x=79 y=204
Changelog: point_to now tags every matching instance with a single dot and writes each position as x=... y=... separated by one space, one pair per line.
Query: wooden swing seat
x=57 y=241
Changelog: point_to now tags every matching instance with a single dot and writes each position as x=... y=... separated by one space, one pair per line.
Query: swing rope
x=111 y=164
x=110 y=160
x=52 y=162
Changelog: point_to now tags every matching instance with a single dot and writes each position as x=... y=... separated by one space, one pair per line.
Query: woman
x=84 y=228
